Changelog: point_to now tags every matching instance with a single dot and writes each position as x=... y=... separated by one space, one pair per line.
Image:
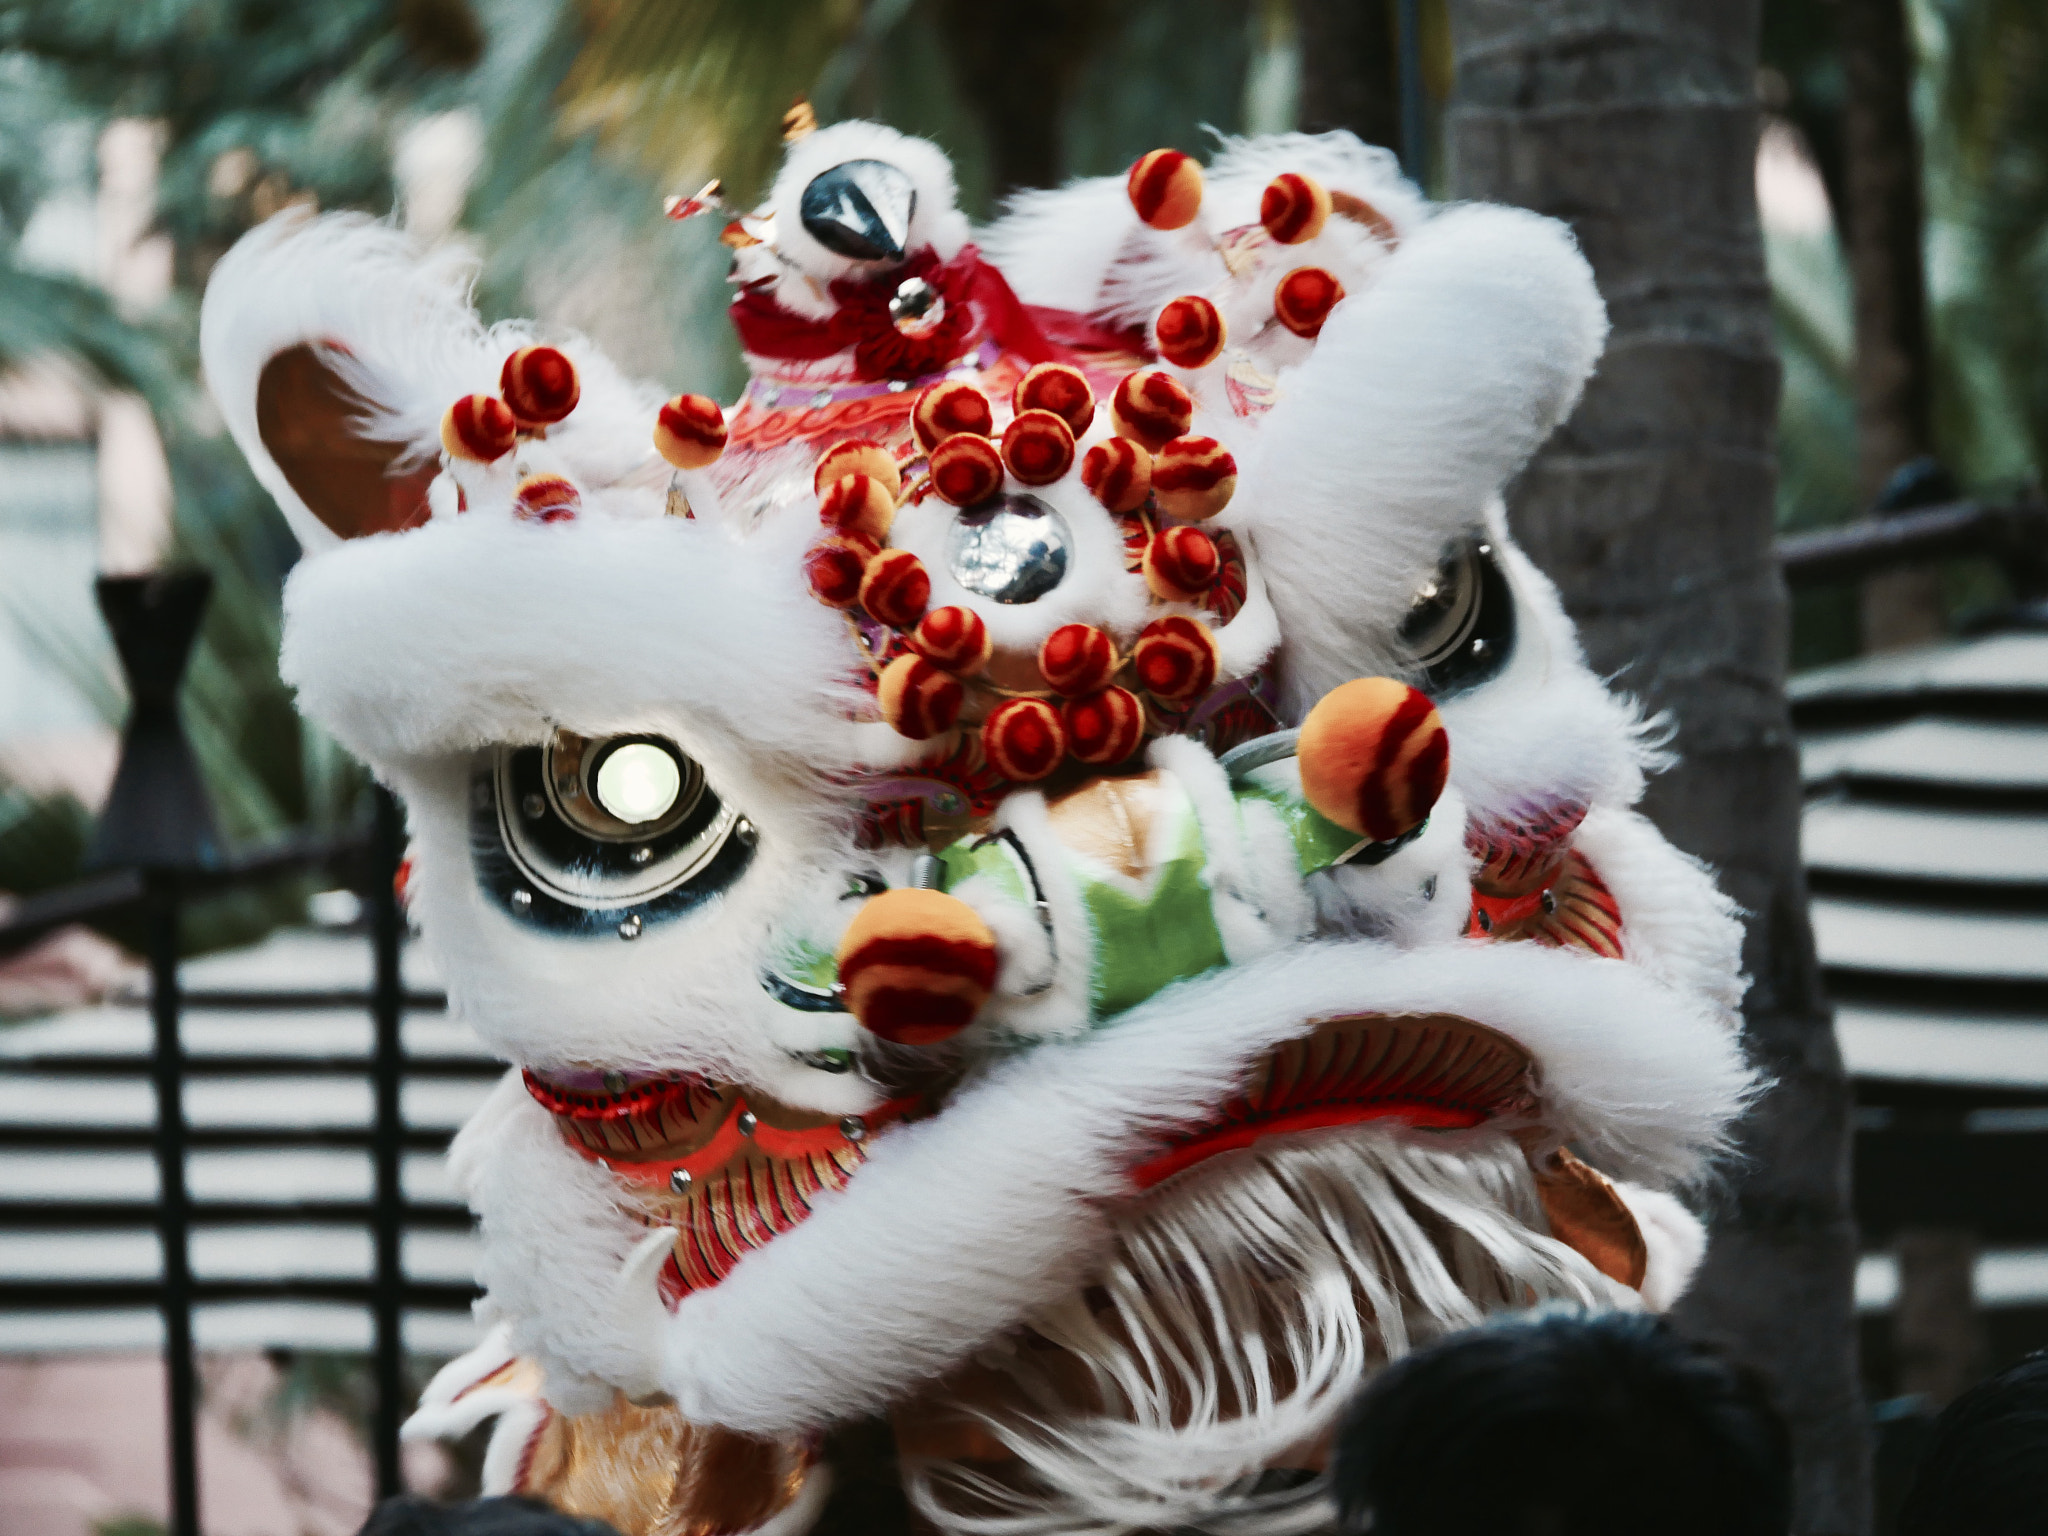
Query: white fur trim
x=1675 y=1239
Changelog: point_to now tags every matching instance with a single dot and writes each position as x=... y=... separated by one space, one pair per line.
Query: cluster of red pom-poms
x=537 y=387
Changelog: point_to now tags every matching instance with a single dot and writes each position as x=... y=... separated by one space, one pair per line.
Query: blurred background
x=140 y=138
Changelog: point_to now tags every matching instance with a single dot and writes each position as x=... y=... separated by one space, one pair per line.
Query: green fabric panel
x=995 y=859
x=1318 y=841
x=809 y=966
x=1167 y=931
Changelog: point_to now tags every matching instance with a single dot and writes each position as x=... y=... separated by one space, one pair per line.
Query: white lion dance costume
x=1054 y=875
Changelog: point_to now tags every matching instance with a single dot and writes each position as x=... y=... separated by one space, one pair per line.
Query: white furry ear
x=1423 y=396
x=935 y=220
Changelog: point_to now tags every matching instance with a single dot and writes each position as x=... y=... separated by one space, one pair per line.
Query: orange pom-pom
x=690 y=431
x=895 y=588
x=1119 y=473
x=1303 y=299
x=1165 y=188
x=540 y=385
x=955 y=638
x=948 y=407
x=1181 y=564
x=1175 y=659
x=479 y=428
x=858 y=503
x=966 y=469
x=1023 y=739
x=916 y=965
x=834 y=568
x=919 y=699
x=1059 y=388
x=858 y=456
x=1189 y=332
x=1038 y=448
x=1194 y=478
x=1151 y=409
x=1374 y=757
x=1076 y=658
x=546 y=499
x=1104 y=728
x=1294 y=208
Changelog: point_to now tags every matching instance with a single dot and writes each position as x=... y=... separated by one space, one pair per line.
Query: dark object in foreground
x=511 y=1516
x=1985 y=1471
x=1599 y=1425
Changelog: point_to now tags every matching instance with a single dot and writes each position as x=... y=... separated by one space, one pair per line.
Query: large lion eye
x=1460 y=628
x=585 y=835
x=1014 y=549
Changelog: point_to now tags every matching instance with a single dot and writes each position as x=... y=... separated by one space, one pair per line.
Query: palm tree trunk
x=1349 y=74
x=1635 y=120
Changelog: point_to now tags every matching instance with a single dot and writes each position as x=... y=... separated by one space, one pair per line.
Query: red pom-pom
x=858 y=503
x=1023 y=739
x=966 y=469
x=546 y=499
x=1038 y=448
x=896 y=588
x=1303 y=299
x=1076 y=658
x=690 y=431
x=1119 y=473
x=540 y=385
x=1189 y=332
x=1165 y=188
x=1151 y=409
x=916 y=965
x=1194 y=478
x=834 y=568
x=952 y=406
x=1294 y=208
x=1181 y=564
x=479 y=428
x=1104 y=728
x=955 y=638
x=858 y=456
x=1059 y=388
x=1175 y=659
x=919 y=699
x=1374 y=757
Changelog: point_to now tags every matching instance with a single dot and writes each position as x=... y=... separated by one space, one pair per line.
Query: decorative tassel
x=1151 y=409
x=1189 y=332
x=859 y=456
x=834 y=568
x=895 y=589
x=1193 y=478
x=916 y=965
x=1165 y=189
x=1023 y=739
x=546 y=499
x=1175 y=659
x=1303 y=299
x=1058 y=388
x=1119 y=474
x=918 y=699
x=1294 y=208
x=954 y=638
x=1181 y=564
x=1038 y=448
x=540 y=385
x=690 y=431
x=966 y=469
x=954 y=405
x=858 y=503
x=1077 y=659
x=479 y=428
x=1105 y=727
x=1374 y=757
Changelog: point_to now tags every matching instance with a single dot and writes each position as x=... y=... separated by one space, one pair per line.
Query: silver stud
x=630 y=928
x=1549 y=901
x=565 y=784
x=747 y=1122
x=641 y=855
x=744 y=830
x=615 y=1082
x=771 y=395
x=607 y=1167
x=1480 y=647
x=532 y=807
x=522 y=899
x=897 y=386
x=853 y=1128
x=678 y=1180
x=912 y=300
x=821 y=399
x=1429 y=889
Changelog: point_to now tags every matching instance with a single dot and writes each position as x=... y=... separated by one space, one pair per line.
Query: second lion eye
x=1460 y=627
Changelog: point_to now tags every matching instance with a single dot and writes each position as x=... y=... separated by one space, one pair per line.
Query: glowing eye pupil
x=638 y=782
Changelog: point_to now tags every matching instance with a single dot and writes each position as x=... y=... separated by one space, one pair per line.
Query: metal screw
x=630 y=928
x=641 y=855
x=1549 y=901
x=522 y=899
x=1485 y=921
x=615 y=1082
x=853 y=1128
x=533 y=807
x=678 y=1180
x=744 y=828
x=747 y=1122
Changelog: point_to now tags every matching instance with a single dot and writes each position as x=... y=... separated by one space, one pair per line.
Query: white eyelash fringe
x=1318 y=1262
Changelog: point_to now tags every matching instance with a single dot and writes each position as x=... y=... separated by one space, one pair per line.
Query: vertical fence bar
x=1414 y=120
x=388 y=1004
x=174 y=1214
